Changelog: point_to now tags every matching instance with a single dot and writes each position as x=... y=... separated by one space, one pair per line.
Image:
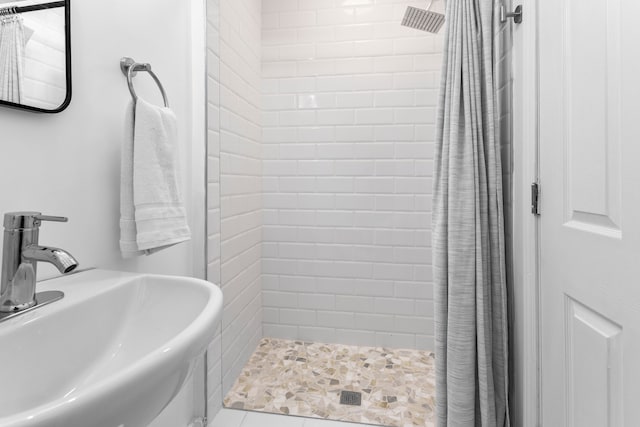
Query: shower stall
x=321 y=131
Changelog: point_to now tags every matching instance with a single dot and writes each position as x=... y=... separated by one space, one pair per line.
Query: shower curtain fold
x=12 y=47
x=468 y=229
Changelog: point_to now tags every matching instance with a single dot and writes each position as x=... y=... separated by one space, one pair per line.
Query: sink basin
x=112 y=353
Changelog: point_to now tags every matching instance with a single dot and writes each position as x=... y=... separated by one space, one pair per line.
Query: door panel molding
x=593 y=367
x=591 y=100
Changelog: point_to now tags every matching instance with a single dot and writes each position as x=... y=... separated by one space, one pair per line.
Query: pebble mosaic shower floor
x=306 y=379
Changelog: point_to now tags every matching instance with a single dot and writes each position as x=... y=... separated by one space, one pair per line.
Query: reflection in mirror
x=34 y=63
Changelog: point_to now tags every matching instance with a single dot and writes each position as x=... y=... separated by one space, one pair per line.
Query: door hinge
x=535 y=198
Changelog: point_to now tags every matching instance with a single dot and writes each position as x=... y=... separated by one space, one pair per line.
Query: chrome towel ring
x=130 y=68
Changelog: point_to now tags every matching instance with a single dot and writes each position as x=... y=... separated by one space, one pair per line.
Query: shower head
x=422 y=19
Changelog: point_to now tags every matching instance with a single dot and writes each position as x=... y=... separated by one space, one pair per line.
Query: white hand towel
x=152 y=214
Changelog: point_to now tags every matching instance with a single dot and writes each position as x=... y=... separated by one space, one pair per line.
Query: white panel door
x=590 y=212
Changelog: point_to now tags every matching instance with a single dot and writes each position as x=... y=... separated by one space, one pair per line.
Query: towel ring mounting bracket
x=130 y=69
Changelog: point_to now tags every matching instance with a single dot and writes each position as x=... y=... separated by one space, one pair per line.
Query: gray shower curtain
x=468 y=229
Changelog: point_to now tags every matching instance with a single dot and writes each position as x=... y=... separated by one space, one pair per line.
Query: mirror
x=35 y=55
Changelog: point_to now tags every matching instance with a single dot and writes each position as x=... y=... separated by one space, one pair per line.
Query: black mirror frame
x=67 y=100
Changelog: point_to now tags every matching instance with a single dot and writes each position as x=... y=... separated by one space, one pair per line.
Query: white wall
x=69 y=163
x=240 y=185
x=349 y=98
x=524 y=291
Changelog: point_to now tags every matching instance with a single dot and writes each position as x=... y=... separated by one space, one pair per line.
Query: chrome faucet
x=20 y=256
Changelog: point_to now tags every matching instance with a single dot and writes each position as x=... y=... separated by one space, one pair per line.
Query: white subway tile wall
x=214 y=383
x=240 y=186
x=346 y=160
x=349 y=102
x=234 y=184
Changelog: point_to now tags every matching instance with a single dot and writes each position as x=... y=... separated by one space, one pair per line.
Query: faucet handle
x=52 y=218
x=26 y=220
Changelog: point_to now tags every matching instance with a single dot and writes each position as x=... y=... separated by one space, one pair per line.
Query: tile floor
x=237 y=418
x=306 y=379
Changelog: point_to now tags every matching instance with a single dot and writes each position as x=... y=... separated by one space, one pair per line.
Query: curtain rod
x=34 y=7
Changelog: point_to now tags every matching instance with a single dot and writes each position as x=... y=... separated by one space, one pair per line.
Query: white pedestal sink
x=112 y=353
